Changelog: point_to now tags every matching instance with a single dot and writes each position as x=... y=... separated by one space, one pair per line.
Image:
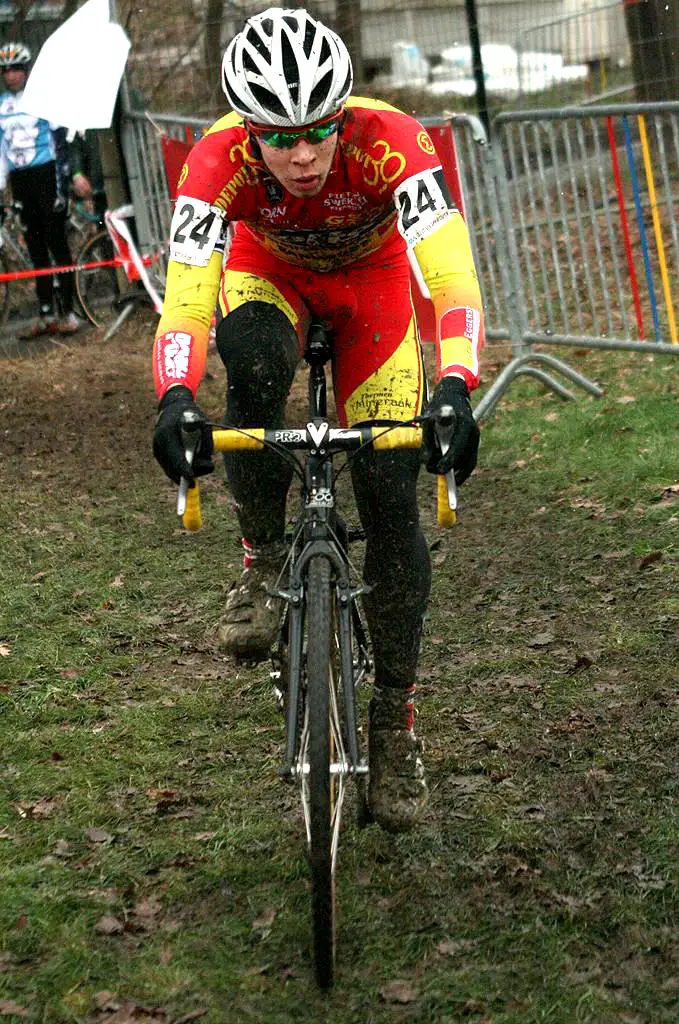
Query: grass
x=151 y=863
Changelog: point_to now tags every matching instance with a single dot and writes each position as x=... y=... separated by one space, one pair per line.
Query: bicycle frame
x=321 y=624
x=320 y=531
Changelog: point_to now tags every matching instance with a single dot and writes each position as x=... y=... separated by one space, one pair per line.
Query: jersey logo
x=423 y=202
x=183 y=175
x=425 y=143
x=195 y=230
x=384 y=168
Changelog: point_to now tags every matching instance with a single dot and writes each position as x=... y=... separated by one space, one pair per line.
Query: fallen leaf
x=582 y=662
x=5 y=650
x=109 y=925
x=148 y=907
x=193 y=1015
x=541 y=640
x=625 y=399
x=670 y=493
x=265 y=918
x=399 y=992
x=105 y=1000
x=97 y=835
x=202 y=837
x=69 y=673
x=10 y=1009
x=131 y=1013
x=650 y=559
x=39 y=810
x=118 y=581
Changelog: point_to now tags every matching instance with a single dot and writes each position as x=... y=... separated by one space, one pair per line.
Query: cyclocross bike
x=322 y=655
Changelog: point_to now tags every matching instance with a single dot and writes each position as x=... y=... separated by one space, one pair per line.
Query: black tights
x=36 y=189
x=260 y=351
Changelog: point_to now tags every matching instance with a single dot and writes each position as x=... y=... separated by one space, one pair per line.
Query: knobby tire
x=322 y=787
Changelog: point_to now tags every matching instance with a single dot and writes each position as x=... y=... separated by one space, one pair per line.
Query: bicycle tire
x=97 y=289
x=322 y=785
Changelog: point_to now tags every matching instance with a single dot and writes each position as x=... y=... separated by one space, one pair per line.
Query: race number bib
x=423 y=203
x=196 y=228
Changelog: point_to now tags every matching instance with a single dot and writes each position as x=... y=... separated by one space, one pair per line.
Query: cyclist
x=34 y=157
x=328 y=192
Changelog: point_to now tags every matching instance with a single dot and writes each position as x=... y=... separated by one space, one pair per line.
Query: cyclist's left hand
x=464 y=440
x=60 y=204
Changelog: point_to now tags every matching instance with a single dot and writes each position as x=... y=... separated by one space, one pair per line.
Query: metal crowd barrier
x=572 y=216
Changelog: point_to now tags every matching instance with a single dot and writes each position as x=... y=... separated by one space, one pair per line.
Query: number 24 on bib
x=423 y=202
x=195 y=230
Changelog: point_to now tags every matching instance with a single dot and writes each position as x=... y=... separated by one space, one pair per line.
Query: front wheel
x=98 y=288
x=321 y=783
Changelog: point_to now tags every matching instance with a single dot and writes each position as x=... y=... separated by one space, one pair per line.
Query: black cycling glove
x=168 y=445
x=464 y=432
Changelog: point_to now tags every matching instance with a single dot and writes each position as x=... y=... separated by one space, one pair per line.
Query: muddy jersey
x=385 y=187
x=385 y=194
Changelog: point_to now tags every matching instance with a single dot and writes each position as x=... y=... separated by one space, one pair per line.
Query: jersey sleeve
x=197 y=236
x=445 y=259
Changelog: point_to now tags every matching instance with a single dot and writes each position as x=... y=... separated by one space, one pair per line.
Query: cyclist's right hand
x=169 y=446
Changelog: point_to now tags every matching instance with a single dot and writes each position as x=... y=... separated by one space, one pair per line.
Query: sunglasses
x=286 y=140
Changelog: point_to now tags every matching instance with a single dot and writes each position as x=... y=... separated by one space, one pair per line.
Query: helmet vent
x=258 y=44
x=309 y=35
x=267 y=100
x=248 y=62
x=290 y=69
x=320 y=91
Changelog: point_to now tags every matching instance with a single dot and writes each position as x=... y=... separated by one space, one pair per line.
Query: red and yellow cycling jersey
x=385 y=194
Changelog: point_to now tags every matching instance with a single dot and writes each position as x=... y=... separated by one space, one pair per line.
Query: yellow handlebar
x=383 y=439
x=445 y=515
x=396 y=437
x=237 y=440
x=193 y=517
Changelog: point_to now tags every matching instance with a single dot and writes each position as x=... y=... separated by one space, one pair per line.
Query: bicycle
x=18 y=299
x=112 y=278
x=17 y=296
x=322 y=655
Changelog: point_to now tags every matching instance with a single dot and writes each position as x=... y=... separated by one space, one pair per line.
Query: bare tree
x=348 y=25
x=653 y=30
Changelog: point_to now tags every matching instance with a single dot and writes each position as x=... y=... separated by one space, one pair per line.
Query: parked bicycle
x=113 y=277
x=17 y=295
x=322 y=655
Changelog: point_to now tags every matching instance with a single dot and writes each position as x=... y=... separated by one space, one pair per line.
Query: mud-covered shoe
x=38 y=328
x=397 y=788
x=68 y=324
x=252 y=619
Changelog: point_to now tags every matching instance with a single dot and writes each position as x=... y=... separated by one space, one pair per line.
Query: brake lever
x=444 y=426
x=190 y=431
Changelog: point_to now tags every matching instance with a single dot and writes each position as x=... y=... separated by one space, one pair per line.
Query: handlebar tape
x=193 y=517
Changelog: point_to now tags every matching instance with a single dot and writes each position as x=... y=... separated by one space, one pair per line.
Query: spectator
x=34 y=158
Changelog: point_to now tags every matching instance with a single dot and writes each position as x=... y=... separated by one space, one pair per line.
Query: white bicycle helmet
x=286 y=69
x=14 y=55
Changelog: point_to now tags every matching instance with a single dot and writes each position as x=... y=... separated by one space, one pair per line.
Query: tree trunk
x=653 y=31
x=348 y=26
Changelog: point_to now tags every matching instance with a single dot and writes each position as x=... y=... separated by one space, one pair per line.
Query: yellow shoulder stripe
x=370 y=104
x=231 y=120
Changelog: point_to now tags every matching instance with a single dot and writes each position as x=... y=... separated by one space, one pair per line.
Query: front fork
x=348 y=620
